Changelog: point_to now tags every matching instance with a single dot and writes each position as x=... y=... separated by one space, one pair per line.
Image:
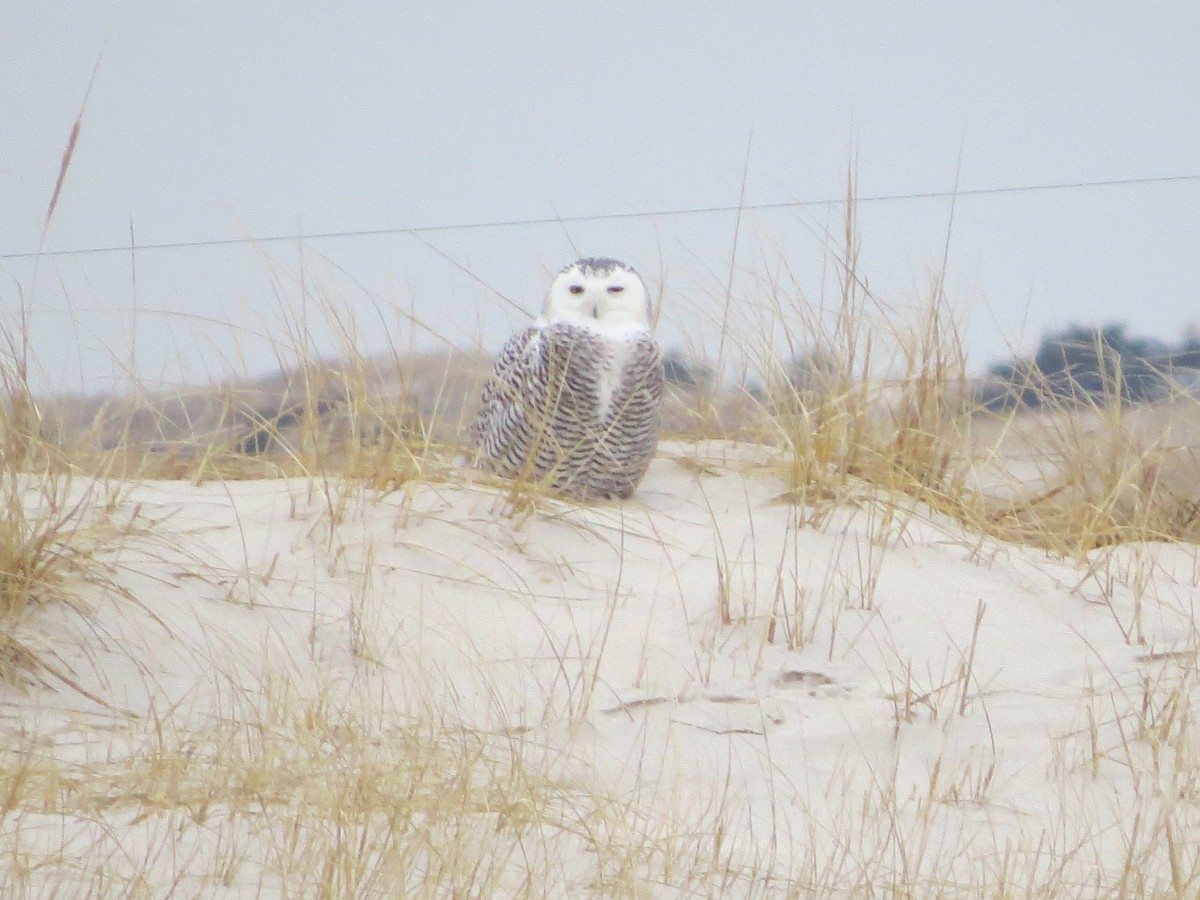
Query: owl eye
x=615 y=288
x=576 y=289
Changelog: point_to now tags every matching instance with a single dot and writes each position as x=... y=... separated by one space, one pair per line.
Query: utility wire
x=605 y=217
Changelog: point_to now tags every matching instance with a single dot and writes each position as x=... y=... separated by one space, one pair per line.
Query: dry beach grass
x=872 y=644
x=851 y=637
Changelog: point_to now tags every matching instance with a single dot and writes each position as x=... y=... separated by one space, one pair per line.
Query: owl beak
x=595 y=311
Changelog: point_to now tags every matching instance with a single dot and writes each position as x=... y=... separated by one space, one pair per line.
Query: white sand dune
x=857 y=699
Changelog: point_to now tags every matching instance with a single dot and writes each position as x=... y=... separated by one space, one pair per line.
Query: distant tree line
x=1095 y=366
x=680 y=369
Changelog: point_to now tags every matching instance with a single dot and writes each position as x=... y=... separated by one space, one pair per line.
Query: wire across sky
x=604 y=217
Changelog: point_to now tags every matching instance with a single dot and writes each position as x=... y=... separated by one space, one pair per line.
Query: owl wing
x=644 y=377
x=510 y=397
x=631 y=430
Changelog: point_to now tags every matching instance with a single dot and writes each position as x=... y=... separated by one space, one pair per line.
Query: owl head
x=599 y=294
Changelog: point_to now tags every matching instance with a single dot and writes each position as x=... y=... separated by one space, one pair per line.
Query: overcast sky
x=218 y=120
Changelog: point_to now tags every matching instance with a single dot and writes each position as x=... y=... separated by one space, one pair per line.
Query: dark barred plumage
x=543 y=416
x=595 y=265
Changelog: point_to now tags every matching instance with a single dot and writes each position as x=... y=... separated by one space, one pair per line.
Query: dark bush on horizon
x=1089 y=366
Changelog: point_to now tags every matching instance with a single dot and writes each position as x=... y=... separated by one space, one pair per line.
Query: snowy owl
x=573 y=400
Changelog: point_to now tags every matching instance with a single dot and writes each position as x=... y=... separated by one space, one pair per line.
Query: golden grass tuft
x=51 y=530
x=883 y=402
x=319 y=797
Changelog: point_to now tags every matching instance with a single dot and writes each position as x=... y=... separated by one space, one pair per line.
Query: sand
x=855 y=697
